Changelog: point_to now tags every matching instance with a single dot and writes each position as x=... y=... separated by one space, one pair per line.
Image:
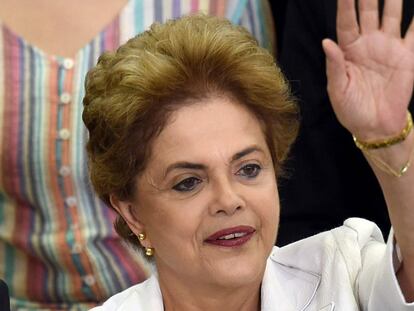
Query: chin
x=239 y=270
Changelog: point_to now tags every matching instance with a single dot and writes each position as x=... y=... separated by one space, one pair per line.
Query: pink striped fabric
x=58 y=248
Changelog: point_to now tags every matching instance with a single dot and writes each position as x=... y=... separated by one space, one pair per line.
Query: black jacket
x=4 y=297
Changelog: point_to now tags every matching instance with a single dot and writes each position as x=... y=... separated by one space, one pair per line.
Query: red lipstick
x=231 y=237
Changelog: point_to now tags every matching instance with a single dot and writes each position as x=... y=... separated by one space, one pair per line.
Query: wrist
x=394 y=160
x=387 y=141
x=392 y=155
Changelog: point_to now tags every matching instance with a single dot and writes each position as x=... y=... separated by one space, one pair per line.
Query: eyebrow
x=197 y=166
x=185 y=165
x=245 y=152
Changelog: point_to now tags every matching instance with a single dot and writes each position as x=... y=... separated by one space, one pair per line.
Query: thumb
x=335 y=70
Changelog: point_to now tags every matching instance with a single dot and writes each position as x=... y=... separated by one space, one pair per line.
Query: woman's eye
x=250 y=170
x=187 y=184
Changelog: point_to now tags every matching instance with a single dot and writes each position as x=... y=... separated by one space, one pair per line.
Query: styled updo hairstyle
x=130 y=94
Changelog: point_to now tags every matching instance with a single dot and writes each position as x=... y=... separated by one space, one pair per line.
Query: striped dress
x=58 y=248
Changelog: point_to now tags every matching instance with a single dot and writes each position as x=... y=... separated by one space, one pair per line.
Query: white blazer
x=349 y=268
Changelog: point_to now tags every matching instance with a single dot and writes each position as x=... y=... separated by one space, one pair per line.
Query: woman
x=189 y=125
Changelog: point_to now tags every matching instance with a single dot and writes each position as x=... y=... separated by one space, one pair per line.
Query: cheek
x=267 y=208
x=174 y=226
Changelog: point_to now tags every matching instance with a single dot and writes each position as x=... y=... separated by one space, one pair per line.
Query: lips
x=231 y=237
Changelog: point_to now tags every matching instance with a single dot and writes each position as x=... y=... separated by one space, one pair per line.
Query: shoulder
x=346 y=243
x=143 y=296
x=325 y=269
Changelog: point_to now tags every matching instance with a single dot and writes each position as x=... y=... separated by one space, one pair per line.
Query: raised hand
x=370 y=84
x=371 y=69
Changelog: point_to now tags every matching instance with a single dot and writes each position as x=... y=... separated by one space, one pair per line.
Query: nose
x=225 y=199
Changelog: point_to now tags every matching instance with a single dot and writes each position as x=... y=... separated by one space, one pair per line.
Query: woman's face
x=208 y=199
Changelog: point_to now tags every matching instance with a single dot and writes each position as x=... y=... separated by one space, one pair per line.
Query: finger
x=409 y=36
x=346 y=22
x=391 y=18
x=335 y=70
x=368 y=15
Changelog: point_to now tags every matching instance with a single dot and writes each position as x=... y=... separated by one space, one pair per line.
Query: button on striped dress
x=58 y=248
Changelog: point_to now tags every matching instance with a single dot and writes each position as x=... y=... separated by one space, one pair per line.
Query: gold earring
x=149 y=251
x=141 y=236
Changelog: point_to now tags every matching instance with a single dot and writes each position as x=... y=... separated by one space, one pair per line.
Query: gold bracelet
x=383 y=166
x=363 y=145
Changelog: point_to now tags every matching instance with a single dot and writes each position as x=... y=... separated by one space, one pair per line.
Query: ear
x=126 y=210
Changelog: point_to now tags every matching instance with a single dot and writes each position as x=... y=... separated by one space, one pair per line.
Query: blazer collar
x=288 y=287
x=284 y=287
x=144 y=296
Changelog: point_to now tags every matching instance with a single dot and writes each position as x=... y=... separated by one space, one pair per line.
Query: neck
x=179 y=294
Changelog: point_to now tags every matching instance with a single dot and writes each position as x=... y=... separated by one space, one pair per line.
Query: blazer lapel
x=288 y=288
x=330 y=307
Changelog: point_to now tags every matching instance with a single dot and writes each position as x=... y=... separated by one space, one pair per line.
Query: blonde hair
x=131 y=93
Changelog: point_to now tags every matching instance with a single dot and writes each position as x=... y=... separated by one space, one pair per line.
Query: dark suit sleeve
x=4 y=297
x=329 y=179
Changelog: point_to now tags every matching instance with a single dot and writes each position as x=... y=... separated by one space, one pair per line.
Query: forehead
x=214 y=126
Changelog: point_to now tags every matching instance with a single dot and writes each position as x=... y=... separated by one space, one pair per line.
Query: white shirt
x=349 y=268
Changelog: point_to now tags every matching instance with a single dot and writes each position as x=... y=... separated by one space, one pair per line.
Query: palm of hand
x=370 y=81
